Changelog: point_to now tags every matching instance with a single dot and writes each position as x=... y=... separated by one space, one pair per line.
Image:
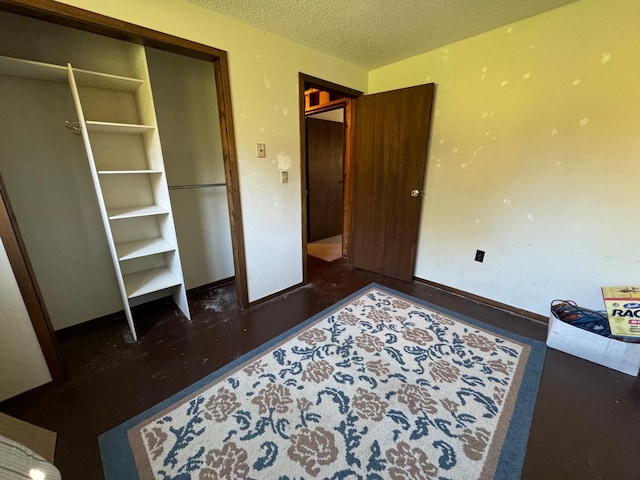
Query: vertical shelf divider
x=101 y=203
x=144 y=98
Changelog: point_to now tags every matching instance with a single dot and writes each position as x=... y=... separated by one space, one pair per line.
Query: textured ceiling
x=372 y=33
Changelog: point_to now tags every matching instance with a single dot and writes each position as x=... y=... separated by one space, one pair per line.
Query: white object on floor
x=621 y=356
x=17 y=462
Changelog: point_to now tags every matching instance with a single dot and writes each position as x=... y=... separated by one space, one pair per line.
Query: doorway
x=325 y=180
x=383 y=188
x=326 y=123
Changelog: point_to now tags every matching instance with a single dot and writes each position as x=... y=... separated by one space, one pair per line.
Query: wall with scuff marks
x=534 y=156
x=264 y=92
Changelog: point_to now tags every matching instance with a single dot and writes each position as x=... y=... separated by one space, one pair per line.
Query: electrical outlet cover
x=262 y=151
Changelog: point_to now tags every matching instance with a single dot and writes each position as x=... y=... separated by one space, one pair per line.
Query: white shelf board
x=143 y=248
x=88 y=78
x=109 y=127
x=128 y=172
x=17 y=67
x=132 y=212
x=149 y=281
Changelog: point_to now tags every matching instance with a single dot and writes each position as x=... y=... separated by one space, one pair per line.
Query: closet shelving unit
x=116 y=118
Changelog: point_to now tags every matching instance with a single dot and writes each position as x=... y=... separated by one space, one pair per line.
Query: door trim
x=28 y=286
x=348 y=103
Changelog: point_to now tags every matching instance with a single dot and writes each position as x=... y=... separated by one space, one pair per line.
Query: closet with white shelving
x=88 y=180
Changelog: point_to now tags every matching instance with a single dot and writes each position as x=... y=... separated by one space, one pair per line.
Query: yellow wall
x=264 y=92
x=534 y=156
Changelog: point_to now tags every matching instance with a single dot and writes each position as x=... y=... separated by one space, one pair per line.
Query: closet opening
x=46 y=177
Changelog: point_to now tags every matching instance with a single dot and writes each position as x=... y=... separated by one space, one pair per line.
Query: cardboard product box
x=621 y=356
x=623 y=310
x=36 y=439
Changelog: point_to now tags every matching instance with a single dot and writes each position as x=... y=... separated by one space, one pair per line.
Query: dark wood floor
x=586 y=423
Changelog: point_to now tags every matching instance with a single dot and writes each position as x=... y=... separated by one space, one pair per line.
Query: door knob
x=415 y=193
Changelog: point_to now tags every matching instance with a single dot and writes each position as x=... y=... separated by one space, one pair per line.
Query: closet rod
x=199 y=185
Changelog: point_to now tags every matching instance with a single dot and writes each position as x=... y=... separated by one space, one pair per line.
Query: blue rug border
x=117 y=456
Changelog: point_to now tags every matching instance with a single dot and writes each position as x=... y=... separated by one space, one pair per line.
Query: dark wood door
x=392 y=132
x=325 y=153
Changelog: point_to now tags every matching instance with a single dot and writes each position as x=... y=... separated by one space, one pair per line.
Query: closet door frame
x=26 y=280
x=61 y=14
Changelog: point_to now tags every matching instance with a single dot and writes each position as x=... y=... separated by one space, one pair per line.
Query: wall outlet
x=479 y=256
x=284 y=176
x=262 y=150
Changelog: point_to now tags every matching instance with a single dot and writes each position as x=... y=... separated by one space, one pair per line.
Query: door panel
x=325 y=153
x=392 y=131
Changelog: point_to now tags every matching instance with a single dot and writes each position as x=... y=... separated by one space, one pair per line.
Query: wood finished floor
x=586 y=423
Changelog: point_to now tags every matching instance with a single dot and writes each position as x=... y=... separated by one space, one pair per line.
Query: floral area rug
x=379 y=386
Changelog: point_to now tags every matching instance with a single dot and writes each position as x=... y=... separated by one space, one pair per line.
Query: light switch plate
x=284 y=176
